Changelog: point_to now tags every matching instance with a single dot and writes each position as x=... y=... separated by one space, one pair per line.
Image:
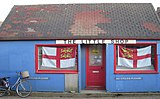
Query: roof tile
x=80 y=21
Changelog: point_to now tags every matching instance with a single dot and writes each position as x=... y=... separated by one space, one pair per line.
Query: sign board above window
x=95 y=41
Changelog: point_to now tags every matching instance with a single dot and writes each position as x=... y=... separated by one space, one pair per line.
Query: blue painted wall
x=20 y=56
x=83 y=67
x=146 y=83
x=79 y=68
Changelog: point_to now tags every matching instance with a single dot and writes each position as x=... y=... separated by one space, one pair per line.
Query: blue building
x=74 y=47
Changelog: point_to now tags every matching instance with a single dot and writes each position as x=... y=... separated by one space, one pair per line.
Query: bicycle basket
x=25 y=74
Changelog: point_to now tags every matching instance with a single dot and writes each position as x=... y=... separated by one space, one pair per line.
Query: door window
x=95 y=55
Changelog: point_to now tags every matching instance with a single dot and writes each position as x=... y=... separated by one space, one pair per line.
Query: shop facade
x=86 y=58
x=96 y=68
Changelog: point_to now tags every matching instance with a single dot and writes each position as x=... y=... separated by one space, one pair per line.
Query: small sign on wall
x=95 y=41
x=128 y=78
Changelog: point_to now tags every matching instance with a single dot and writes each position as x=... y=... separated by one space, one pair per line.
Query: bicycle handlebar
x=18 y=73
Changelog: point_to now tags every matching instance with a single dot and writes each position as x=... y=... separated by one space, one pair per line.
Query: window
x=56 y=58
x=135 y=58
x=95 y=55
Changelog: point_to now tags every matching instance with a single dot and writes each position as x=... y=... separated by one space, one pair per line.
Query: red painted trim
x=57 y=70
x=36 y=58
x=87 y=63
x=137 y=71
x=115 y=58
x=156 y=57
x=103 y=64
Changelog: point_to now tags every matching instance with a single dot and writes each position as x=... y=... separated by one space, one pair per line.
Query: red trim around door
x=103 y=67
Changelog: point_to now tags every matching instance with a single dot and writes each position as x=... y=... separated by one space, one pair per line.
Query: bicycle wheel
x=24 y=89
x=3 y=91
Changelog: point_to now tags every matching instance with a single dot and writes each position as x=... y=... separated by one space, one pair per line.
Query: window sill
x=137 y=72
x=57 y=72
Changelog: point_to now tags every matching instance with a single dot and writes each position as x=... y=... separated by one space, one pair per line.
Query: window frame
x=155 y=71
x=59 y=70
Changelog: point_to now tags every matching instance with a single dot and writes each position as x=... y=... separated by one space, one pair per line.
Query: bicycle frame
x=19 y=80
x=16 y=83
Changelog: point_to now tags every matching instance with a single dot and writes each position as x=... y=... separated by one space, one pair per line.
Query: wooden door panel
x=95 y=66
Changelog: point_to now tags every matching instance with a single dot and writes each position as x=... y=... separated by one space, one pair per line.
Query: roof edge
x=158 y=18
x=78 y=4
x=47 y=39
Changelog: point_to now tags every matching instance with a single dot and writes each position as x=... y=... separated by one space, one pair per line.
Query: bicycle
x=23 y=87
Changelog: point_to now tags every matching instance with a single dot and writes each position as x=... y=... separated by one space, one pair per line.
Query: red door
x=95 y=67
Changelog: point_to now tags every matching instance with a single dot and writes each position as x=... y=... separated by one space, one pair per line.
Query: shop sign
x=128 y=78
x=95 y=41
x=38 y=78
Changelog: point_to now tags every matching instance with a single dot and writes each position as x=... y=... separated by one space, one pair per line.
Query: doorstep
x=93 y=91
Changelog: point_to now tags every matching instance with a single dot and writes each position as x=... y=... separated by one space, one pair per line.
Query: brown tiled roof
x=81 y=21
x=158 y=11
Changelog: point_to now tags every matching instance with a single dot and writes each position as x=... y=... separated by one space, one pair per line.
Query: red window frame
x=136 y=71
x=57 y=70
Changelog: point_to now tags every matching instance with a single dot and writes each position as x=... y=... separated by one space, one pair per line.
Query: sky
x=6 y=5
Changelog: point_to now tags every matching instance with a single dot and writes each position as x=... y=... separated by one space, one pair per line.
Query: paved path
x=86 y=95
x=115 y=97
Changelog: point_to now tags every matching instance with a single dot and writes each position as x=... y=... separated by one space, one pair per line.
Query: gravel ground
x=115 y=97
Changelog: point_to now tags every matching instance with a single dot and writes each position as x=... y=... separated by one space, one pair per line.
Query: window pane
x=95 y=55
x=135 y=57
x=57 y=58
